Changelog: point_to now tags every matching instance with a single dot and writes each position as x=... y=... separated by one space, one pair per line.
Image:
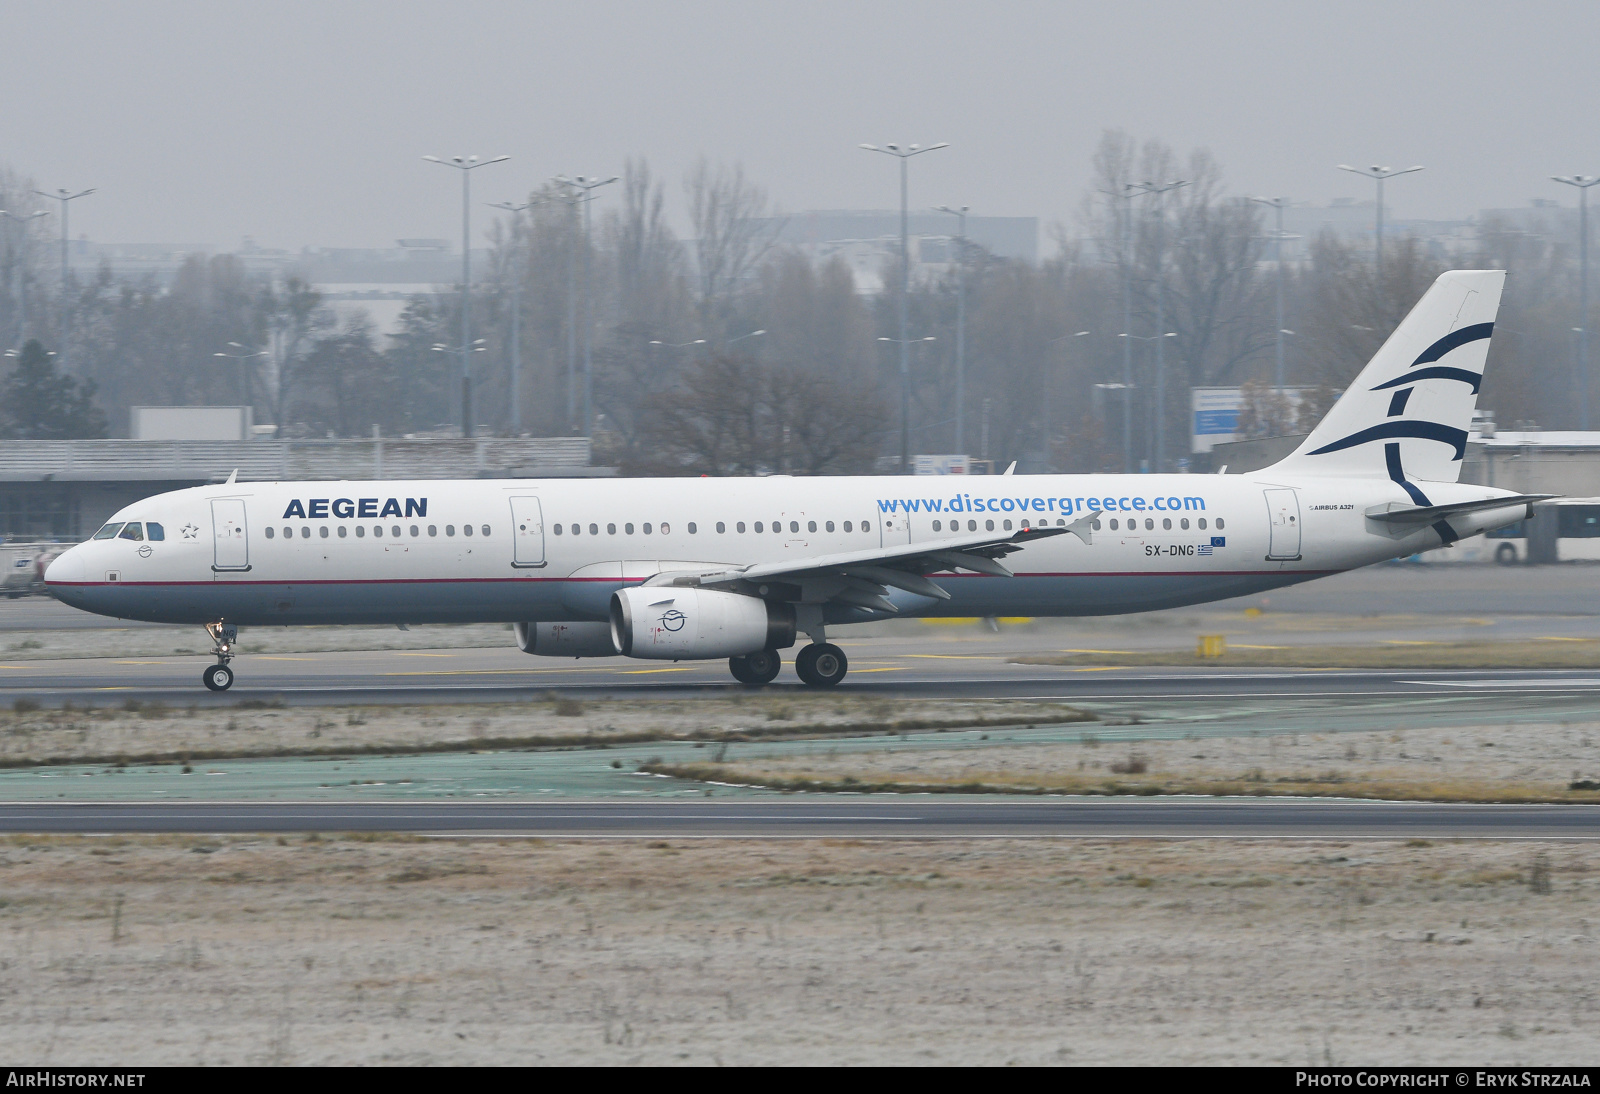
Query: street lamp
x=1159 y=340
x=677 y=345
x=905 y=345
x=904 y=153
x=1378 y=174
x=961 y=323
x=244 y=375
x=1160 y=189
x=742 y=337
x=65 y=197
x=1582 y=182
x=22 y=271
x=466 y=165
x=585 y=185
x=1280 y=204
x=516 y=212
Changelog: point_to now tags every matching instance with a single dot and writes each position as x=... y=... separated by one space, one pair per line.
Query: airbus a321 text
x=680 y=569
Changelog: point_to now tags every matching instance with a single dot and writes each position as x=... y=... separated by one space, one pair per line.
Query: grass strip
x=1330 y=785
x=1441 y=655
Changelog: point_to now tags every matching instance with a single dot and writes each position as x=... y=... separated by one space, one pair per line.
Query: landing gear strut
x=821 y=664
x=224 y=637
x=756 y=668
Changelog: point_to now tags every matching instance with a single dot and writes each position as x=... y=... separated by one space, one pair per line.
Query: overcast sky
x=302 y=123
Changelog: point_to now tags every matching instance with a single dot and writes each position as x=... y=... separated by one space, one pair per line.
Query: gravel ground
x=235 y=951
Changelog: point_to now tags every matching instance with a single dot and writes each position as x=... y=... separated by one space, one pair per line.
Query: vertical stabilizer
x=1406 y=416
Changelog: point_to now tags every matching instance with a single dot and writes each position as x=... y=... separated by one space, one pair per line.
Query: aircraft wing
x=863 y=578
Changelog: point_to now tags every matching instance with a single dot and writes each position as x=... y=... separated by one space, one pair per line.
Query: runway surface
x=839 y=816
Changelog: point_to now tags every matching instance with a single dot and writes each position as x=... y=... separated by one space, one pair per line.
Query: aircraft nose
x=66 y=569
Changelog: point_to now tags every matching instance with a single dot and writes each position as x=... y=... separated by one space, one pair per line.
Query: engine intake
x=565 y=639
x=668 y=623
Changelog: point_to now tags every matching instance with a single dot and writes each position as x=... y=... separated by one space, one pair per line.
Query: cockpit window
x=108 y=532
x=154 y=531
x=132 y=530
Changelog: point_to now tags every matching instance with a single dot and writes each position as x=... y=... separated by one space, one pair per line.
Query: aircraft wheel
x=218 y=677
x=821 y=665
x=1505 y=554
x=756 y=668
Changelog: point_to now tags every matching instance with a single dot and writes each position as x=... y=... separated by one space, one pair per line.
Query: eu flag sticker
x=1219 y=541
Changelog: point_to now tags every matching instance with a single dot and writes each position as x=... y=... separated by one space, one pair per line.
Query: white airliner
x=680 y=569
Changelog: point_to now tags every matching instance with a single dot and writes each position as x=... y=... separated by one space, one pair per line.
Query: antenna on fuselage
x=232 y=477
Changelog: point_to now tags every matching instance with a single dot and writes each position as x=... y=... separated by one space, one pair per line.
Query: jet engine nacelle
x=670 y=623
x=566 y=639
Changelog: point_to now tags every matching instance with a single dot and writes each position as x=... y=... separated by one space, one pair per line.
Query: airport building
x=64 y=490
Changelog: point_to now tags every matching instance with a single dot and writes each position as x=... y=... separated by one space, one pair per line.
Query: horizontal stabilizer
x=1427 y=514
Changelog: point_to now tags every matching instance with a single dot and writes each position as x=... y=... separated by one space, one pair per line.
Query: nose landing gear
x=224 y=637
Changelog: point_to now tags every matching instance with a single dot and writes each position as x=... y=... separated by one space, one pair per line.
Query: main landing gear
x=820 y=665
x=224 y=636
x=756 y=668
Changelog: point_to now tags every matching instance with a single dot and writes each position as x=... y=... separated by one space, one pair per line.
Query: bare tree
x=733 y=230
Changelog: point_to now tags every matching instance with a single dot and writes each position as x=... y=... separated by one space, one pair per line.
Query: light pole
x=1378 y=174
x=905 y=397
x=1160 y=190
x=466 y=165
x=904 y=153
x=1124 y=233
x=1280 y=204
x=65 y=197
x=23 y=221
x=677 y=345
x=1049 y=401
x=586 y=185
x=742 y=337
x=516 y=212
x=961 y=324
x=1582 y=182
x=1159 y=340
x=244 y=375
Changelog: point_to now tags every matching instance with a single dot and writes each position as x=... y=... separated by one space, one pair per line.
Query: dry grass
x=170 y=950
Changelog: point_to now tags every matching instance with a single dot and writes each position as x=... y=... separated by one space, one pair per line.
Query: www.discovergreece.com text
x=966 y=503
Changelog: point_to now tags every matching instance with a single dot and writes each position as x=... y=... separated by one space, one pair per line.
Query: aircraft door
x=527 y=532
x=1283 y=520
x=894 y=529
x=231 y=536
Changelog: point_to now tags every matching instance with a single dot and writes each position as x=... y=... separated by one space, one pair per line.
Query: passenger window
x=628 y=529
x=1006 y=525
x=829 y=526
x=811 y=526
x=647 y=529
x=1113 y=524
x=433 y=530
x=1060 y=520
x=466 y=529
x=740 y=527
x=269 y=531
x=1202 y=524
x=361 y=531
x=395 y=531
x=1219 y=524
x=611 y=529
x=1184 y=524
x=794 y=526
x=1149 y=524
x=668 y=531
x=1166 y=524
x=322 y=530
x=1094 y=526
x=937 y=526
x=108 y=532
x=777 y=527
x=1024 y=525
x=288 y=533
x=691 y=528
x=484 y=529
x=415 y=531
x=722 y=529
x=759 y=527
x=132 y=531
x=449 y=529
x=154 y=531
x=559 y=529
x=594 y=529
x=865 y=526
x=345 y=532
x=988 y=525
x=377 y=530
x=305 y=531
